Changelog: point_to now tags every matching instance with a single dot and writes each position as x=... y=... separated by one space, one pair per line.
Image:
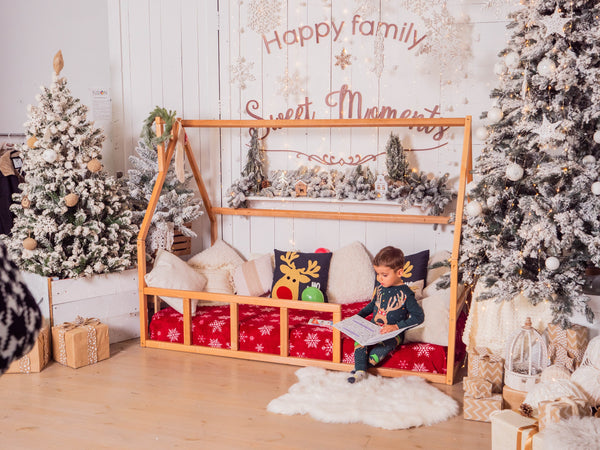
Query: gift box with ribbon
x=511 y=430
x=477 y=387
x=480 y=408
x=80 y=343
x=553 y=411
x=567 y=346
x=513 y=398
x=476 y=356
x=491 y=368
x=39 y=356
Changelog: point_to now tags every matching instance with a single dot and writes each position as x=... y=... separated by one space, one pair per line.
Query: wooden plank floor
x=157 y=399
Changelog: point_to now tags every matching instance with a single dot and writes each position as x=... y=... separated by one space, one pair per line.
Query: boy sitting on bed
x=393 y=306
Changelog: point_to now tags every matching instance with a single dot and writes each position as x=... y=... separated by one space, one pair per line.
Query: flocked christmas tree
x=396 y=161
x=71 y=219
x=177 y=204
x=533 y=223
x=254 y=169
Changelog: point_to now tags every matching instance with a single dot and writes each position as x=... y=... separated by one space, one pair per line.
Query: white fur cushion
x=588 y=379
x=254 y=277
x=553 y=390
x=173 y=273
x=221 y=255
x=351 y=275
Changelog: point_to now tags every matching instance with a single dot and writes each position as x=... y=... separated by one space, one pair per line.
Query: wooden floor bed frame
x=146 y=293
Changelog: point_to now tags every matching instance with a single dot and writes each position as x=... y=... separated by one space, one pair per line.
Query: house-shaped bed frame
x=457 y=303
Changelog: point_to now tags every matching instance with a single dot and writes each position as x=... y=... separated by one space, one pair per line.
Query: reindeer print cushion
x=295 y=271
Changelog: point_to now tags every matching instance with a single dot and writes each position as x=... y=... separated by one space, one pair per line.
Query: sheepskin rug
x=389 y=403
x=575 y=433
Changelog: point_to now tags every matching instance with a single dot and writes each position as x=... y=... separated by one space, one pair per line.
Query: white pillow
x=434 y=329
x=434 y=274
x=220 y=256
x=351 y=275
x=254 y=277
x=218 y=281
x=173 y=273
x=417 y=288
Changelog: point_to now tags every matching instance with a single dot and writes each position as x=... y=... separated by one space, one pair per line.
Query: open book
x=365 y=332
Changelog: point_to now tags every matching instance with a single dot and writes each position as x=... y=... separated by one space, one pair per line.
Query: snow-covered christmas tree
x=177 y=204
x=396 y=162
x=255 y=167
x=71 y=219
x=534 y=217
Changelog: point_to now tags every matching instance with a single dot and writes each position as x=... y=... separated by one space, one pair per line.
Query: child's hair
x=391 y=257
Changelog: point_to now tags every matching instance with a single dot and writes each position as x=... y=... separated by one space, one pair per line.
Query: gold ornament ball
x=71 y=199
x=25 y=202
x=94 y=165
x=29 y=243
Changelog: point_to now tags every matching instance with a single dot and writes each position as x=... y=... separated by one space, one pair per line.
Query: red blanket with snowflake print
x=259 y=332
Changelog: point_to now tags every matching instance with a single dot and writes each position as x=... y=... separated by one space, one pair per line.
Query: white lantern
x=588 y=159
x=596 y=188
x=481 y=133
x=514 y=172
x=474 y=209
x=597 y=137
x=526 y=358
x=500 y=68
x=512 y=59
x=495 y=114
x=552 y=263
x=546 y=67
x=49 y=155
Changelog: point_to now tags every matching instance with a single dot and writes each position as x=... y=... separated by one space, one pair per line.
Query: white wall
x=31 y=32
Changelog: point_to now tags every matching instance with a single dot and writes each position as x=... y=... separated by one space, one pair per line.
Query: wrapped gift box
x=80 y=343
x=510 y=430
x=38 y=357
x=477 y=387
x=513 y=398
x=553 y=411
x=480 y=408
x=567 y=346
x=492 y=369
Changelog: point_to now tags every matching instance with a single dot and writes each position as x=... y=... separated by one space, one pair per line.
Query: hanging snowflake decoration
x=555 y=23
x=240 y=72
x=343 y=60
x=291 y=85
x=547 y=130
x=378 y=51
x=264 y=15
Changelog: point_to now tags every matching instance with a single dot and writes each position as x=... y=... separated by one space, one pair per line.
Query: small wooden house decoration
x=300 y=188
x=381 y=186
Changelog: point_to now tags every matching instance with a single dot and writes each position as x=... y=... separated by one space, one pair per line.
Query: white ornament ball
x=49 y=156
x=546 y=67
x=588 y=159
x=512 y=59
x=492 y=201
x=500 y=68
x=597 y=137
x=552 y=263
x=514 y=172
x=481 y=133
x=474 y=209
x=596 y=188
x=495 y=114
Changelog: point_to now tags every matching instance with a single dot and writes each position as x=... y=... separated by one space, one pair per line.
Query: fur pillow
x=219 y=256
x=171 y=272
x=351 y=275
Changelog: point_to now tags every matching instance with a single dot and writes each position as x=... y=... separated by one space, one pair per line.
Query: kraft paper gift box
x=567 y=346
x=39 y=356
x=80 y=343
x=553 y=411
x=480 y=408
x=482 y=359
x=511 y=430
x=477 y=387
x=513 y=398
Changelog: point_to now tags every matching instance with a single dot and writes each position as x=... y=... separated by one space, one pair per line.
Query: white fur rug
x=575 y=433
x=390 y=403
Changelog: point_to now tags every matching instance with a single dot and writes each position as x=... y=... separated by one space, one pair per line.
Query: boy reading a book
x=393 y=306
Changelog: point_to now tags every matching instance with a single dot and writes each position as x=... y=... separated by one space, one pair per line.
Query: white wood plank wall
x=181 y=54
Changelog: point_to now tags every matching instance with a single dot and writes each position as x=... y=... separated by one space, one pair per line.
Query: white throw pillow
x=173 y=273
x=351 y=275
x=417 y=288
x=254 y=277
x=221 y=255
x=434 y=329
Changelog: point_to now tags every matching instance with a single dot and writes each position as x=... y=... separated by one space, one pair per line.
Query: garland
x=148 y=134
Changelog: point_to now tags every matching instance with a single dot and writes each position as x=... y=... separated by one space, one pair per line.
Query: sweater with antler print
x=394 y=305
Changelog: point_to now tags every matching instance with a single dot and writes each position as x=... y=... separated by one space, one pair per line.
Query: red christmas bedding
x=259 y=332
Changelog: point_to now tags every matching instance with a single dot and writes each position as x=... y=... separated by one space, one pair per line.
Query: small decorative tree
x=72 y=219
x=255 y=167
x=397 y=164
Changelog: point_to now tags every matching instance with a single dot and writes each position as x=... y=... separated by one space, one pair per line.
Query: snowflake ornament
x=547 y=130
x=343 y=60
x=264 y=15
x=555 y=23
x=291 y=85
x=240 y=72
